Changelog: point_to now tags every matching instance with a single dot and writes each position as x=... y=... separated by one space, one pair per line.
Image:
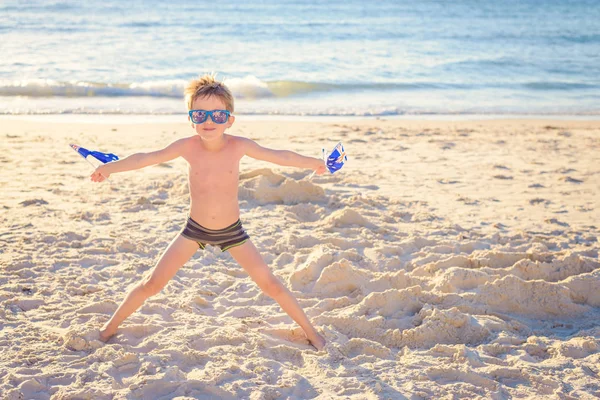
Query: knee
x=151 y=286
x=272 y=287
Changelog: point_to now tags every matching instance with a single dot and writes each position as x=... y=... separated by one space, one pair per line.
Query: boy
x=213 y=167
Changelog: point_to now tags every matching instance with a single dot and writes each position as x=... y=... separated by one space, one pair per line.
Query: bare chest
x=213 y=170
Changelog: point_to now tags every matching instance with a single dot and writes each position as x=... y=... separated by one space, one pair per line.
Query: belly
x=214 y=206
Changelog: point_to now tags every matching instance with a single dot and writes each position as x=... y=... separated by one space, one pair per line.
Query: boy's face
x=208 y=130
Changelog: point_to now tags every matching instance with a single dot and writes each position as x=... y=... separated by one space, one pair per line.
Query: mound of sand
x=266 y=187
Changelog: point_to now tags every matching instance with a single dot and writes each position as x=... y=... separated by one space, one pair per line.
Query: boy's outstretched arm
x=139 y=160
x=283 y=157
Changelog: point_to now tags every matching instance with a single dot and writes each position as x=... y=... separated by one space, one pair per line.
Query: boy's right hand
x=100 y=174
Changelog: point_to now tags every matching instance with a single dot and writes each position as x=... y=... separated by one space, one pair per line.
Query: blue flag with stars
x=335 y=161
x=102 y=157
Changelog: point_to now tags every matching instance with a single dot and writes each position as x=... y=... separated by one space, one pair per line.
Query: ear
x=230 y=121
x=191 y=123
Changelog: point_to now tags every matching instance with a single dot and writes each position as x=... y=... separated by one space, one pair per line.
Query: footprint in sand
x=91 y=216
x=138 y=331
x=447 y=181
x=467 y=201
x=446 y=145
x=103 y=307
x=564 y=170
x=571 y=180
x=357 y=347
x=37 y=202
x=400 y=148
x=126 y=246
x=306 y=212
x=555 y=221
x=29 y=304
x=538 y=200
x=293 y=337
x=445 y=375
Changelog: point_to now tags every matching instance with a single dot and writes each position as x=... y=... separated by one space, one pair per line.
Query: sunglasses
x=217 y=116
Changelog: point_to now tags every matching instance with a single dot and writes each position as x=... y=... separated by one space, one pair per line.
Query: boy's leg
x=178 y=253
x=250 y=259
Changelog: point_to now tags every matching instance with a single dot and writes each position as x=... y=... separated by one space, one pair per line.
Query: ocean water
x=332 y=58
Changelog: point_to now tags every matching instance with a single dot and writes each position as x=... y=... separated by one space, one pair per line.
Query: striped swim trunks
x=226 y=238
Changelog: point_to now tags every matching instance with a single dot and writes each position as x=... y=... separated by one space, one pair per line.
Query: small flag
x=337 y=158
x=102 y=157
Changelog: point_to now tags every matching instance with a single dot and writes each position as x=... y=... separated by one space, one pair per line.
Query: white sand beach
x=447 y=259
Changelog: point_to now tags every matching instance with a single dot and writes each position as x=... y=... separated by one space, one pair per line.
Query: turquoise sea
x=335 y=58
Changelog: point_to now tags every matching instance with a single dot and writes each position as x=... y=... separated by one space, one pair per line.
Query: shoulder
x=178 y=147
x=186 y=142
x=179 y=143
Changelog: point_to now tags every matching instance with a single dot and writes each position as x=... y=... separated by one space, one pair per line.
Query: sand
x=448 y=259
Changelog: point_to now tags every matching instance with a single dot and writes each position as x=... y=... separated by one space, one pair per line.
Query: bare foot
x=317 y=341
x=106 y=334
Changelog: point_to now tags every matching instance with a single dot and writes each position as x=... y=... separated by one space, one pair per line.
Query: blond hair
x=206 y=86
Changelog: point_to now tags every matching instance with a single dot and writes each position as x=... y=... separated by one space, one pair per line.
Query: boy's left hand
x=319 y=167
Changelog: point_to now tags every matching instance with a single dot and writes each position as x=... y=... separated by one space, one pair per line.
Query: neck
x=215 y=144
